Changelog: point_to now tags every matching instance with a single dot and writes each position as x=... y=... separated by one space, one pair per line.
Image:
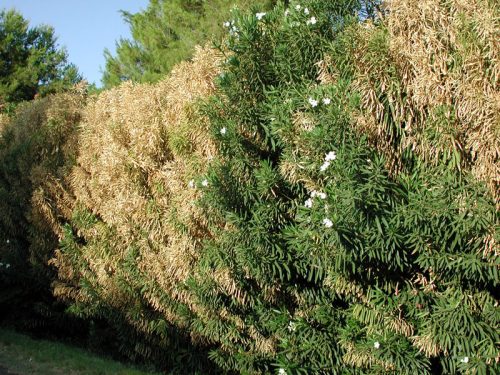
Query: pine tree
x=30 y=61
x=165 y=34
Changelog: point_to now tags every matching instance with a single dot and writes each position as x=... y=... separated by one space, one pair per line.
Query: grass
x=23 y=355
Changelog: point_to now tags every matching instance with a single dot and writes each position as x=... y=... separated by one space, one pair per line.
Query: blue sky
x=84 y=27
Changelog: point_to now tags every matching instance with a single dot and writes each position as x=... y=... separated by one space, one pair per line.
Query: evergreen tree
x=30 y=61
x=165 y=34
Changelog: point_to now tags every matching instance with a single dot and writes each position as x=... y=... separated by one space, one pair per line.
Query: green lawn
x=23 y=355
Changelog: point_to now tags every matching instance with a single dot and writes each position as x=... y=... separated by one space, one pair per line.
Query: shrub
x=343 y=252
x=136 y=230
x=38 y=147
x=299 y=201
x=427 y=76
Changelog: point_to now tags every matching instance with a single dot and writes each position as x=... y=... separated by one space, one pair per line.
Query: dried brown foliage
x=363 y=358
x=41 y=136
x=429 y=83
x=4 y=120
x=140 y=146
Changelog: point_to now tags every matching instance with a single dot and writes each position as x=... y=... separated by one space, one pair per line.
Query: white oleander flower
x=227 y=24
x=204 y=183
x=322 y=195
x=327 y=101
x=281 y=371
x=287 y=12
x=308 y=203
x=376 y=345
x=331 y=156
x=311 y=21
x=327 y=223
x=325 y=165
x=292 y=327
x=465 y=360
x=260 y=15
x=313 y=102
x=298 y=7
x=191 y=184
x=234 y=30
x=223 y=131
x=306 y=11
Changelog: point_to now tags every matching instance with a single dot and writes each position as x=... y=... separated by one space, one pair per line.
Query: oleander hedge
x=316 y=194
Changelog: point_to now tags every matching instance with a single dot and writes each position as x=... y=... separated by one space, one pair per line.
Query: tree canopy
x=31 y=62
x=165 y=34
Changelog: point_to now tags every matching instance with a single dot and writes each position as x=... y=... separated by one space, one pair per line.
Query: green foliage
x=165 y=34
x=334 y=264
x=30 y=61
x=313 y=252
x=270 y=71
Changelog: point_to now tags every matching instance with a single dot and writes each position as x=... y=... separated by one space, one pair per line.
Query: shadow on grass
x=22 y=355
